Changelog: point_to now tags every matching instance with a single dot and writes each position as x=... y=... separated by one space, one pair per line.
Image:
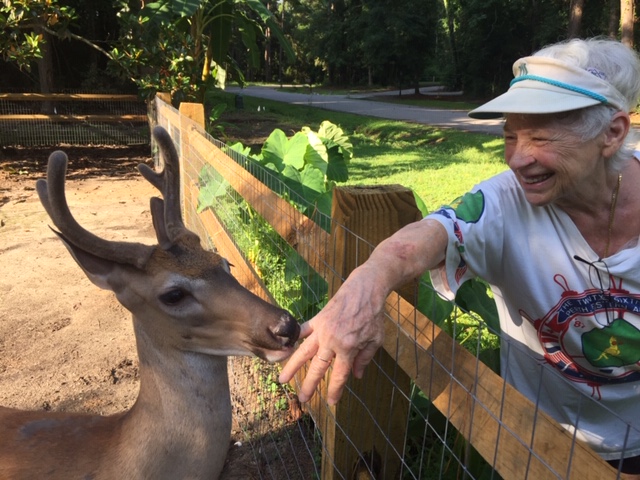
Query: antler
x=53 y=198
x=168 y=223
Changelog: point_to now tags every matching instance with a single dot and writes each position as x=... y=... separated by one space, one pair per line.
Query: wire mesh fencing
x=30 y=119
x=431 y=405
x=272 y=436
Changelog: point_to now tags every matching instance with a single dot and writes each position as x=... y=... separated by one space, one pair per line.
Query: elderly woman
x=556 y=237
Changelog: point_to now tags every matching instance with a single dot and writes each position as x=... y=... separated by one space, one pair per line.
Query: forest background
x=190 y=47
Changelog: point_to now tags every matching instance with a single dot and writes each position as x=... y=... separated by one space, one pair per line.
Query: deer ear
x=97 y=269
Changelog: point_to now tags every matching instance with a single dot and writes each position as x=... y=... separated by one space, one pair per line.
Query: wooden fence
x=32 y=119
x=367 y=430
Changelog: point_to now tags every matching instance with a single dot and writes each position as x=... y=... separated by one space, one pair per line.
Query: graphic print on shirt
x=469 y=209
x=592 y=336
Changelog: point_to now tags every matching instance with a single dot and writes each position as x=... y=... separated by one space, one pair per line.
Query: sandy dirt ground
x=64 y=343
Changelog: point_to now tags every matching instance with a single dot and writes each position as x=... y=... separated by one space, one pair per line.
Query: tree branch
x=69 y=34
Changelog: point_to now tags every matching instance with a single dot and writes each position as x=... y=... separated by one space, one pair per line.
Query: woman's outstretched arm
x=350 y=328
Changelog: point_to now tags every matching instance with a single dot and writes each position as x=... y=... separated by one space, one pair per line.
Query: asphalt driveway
x=360 y=106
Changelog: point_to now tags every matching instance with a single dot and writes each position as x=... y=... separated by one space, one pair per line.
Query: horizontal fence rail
x=76 y=97
x=427 y=406
x=33 y=119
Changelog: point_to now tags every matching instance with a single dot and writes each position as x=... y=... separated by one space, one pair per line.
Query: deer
x=189 y=314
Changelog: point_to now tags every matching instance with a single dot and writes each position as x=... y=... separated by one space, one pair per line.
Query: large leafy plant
x=308 y=165
x=303 y=169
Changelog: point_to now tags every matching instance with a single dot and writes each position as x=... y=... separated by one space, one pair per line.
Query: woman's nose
x=518 y=156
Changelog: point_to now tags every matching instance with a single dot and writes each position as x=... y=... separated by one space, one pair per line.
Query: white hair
x=612 y=61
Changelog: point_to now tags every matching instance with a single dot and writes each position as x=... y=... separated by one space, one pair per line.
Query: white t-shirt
x=568 y=344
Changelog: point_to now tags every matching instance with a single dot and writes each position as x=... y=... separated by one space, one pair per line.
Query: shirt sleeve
x=475 y=227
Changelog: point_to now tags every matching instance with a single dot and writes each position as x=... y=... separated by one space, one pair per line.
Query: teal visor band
x=566 y=86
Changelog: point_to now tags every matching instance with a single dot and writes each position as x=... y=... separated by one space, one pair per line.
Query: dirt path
x=64 y=343
x=67 y=345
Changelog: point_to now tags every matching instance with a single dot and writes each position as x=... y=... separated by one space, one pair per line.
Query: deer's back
x=53 y=444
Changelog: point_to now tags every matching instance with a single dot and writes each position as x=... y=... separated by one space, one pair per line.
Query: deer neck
x=182 y=417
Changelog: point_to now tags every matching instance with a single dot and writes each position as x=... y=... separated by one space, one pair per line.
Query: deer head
x=181 y=296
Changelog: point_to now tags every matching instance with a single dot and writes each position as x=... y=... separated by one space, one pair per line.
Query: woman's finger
x=315 y=373
x=339 y=377
x=302 y=355
x=363 y=359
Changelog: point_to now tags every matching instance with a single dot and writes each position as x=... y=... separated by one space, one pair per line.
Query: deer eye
x=172 y=297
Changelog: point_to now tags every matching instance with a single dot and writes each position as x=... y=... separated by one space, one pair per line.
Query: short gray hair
x=612 y=61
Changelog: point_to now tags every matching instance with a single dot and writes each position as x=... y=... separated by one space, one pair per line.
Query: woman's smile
x=534 y=179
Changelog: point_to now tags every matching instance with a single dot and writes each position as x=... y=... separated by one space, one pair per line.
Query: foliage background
x=191 y=46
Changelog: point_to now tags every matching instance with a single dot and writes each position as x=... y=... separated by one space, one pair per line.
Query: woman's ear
x=615 y=133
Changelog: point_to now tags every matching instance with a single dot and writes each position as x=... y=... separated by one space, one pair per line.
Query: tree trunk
x=45 y=70
x=575 y=18
x=267 y=55
x=614 y=18
x=626 y=22
x=452 y=43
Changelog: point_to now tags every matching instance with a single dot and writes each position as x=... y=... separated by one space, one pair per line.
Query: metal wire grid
x=432 y=446
x=38 y=132
x=270 y=424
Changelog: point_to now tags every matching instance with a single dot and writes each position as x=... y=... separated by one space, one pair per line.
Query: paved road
x=356 y=104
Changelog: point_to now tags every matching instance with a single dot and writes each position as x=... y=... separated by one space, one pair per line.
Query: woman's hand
x=349 y=329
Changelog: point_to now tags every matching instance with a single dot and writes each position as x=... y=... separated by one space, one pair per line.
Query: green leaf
x=337 y=169
x=316 y=152
x=238 y=147
x=323 y=205
x=257 y=7
x=334 y=135
x=219 y=30
x=157 y=12
x=295 y=148
x=217 y=111
x=274 y=148
x=430 y=303
x=249 y=32
x=185 y=8
x=420 y=204
x=313 y=179
x=473 y=296
x=293 y=174
x=213 y=186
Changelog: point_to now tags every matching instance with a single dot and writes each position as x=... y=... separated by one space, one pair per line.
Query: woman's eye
x=540 y=140
x=173 y=297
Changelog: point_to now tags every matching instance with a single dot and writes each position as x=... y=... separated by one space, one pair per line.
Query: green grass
x=438 y=164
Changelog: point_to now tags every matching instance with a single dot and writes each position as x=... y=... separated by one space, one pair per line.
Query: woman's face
x=551 y=163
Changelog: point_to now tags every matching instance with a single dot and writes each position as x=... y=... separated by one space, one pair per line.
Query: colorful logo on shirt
x=593 y=337
x=469 y=208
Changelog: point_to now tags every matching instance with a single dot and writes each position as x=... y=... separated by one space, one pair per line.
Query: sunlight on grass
x=438 y=164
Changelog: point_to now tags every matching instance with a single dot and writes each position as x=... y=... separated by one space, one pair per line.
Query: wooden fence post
x=190 y=113
x=164 y=96
x=365 y=431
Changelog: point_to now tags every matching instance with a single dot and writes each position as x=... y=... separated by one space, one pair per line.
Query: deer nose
x=287 y=330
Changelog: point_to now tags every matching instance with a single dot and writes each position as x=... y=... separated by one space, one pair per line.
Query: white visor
x=547 y=85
